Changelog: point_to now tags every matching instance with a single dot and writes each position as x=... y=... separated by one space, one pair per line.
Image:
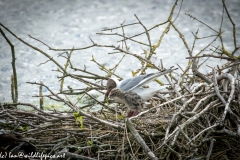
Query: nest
x=197 y=124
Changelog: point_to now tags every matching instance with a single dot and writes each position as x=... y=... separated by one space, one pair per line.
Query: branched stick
x=139 y=139
x=33 y=47
x=77 y=110
x=15 y=82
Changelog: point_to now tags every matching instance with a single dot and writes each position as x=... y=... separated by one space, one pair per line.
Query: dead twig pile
x=197 y=117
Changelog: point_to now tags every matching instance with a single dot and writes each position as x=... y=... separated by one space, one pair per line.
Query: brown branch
x=140 y=141
x=15 y=82
x=33 y=47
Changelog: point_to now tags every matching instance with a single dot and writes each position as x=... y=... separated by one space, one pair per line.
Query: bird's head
x=115 y=93
x=111 y=84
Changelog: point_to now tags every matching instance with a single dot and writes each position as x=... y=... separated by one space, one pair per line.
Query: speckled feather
x=131 y=99
x=134 y=101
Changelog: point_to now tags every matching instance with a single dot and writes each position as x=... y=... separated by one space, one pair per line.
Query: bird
x=131 y=100
x=135 y=84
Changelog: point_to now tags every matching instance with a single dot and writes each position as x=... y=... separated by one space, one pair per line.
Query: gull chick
x=131 y=99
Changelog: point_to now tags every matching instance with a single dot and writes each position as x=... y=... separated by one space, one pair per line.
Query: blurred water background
x=70 y=23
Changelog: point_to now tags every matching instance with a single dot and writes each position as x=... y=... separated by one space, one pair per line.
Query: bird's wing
x=124 y=84
x=144 y=79
x=128 y=84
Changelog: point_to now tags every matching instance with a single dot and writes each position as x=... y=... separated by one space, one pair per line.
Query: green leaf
x=76 y=114
x=89 y=143
x=79 y=119
x=25 y=128
x=121 y=116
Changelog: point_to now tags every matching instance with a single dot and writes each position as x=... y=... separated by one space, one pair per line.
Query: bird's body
x=131 y=99
x=130 y=91
x=135 y=84
x=126 y=85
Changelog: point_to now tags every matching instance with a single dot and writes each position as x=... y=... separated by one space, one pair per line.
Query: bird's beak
x=106 y=95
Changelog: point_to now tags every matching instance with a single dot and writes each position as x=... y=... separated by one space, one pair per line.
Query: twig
x=15 y=82
x=139 y=139
x=33 y=47
x=210 y=149
x=209 y=55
